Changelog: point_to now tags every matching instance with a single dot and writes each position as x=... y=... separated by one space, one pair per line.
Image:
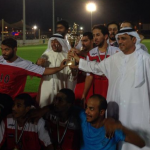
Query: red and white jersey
x=33 y=137
x=100 y=83
x=13 y=75
x=93 y=54
x=71 y=139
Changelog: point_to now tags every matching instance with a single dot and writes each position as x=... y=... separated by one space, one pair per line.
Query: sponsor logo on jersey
x=11 y=125
x=94 y=54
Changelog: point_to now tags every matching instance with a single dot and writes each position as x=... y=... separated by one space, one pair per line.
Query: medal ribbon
x=16 y=132
x=58 y=136
x=99 y=54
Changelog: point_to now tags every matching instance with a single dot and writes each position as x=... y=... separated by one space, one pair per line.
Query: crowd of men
x=100 y=103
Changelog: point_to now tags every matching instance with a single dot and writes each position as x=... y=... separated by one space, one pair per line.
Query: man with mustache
x=99 y=53
x=113 y=29
x=51 y=84
x=130 y=24
x=14 y=70
x=87 y=45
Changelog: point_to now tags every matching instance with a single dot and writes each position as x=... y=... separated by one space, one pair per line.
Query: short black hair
x=130 y=22
x=102 y=101
x=70 y=95
x=28 y=101
x=103 y=29
x=89 y=35
x=64 y=23
x=6 y=103
x=10 y=42
x=113 y=22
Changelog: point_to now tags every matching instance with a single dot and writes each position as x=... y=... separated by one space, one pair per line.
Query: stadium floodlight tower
x=53 y=12
x=91 y=7
x=24 y=23
x=34 y=27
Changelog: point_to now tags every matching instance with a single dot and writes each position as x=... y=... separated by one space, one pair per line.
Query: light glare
x=81 y=28
x=35 y=27
x=91 y=7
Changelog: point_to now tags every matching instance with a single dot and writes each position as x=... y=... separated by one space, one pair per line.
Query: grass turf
x=32 y=53
x=147 y=44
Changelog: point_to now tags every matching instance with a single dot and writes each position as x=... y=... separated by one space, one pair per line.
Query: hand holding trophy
x=73 y=54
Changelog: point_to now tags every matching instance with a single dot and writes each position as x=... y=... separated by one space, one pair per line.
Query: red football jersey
x=71 y=140
x=33 y=137
x=100 y=83
x=13 y=75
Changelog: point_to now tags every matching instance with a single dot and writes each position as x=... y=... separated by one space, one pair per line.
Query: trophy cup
x=72 y=40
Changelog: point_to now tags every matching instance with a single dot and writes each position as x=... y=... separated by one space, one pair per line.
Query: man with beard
x=62 y=28
x=99 y=53
x=87 y=45
x=130 y=24
x=51 y=84
x=113 y=29
x=94 y=125
x=14 y=70
x=20 y=134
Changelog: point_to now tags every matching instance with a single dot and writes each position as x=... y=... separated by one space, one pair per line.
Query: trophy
x=73 y=35
x=72 y=40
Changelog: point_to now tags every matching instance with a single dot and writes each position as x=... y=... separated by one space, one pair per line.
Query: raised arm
x=90 y=66
x=41 y=62
x=130 y=136
x=50 y=71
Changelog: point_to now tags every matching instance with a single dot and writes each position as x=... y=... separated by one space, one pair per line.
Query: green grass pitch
x=147 y=44
x=31 y=53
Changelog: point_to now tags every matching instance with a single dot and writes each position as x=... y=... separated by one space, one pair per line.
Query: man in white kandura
x=51 y=84
x=128 y=94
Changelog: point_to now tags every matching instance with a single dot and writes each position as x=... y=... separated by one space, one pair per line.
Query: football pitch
x=32 y=53
x=147 y=44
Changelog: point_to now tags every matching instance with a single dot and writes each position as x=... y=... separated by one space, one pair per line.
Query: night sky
x=39 y=12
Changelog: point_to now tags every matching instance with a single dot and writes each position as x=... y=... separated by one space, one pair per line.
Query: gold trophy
x=72 y=40
x=73 y=36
